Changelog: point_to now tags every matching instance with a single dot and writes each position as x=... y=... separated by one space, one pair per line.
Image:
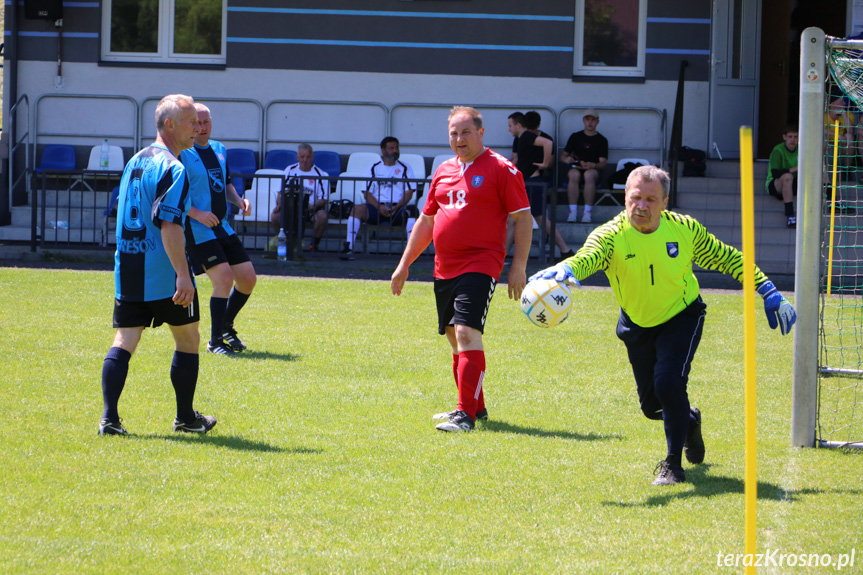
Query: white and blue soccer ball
x=546 y=303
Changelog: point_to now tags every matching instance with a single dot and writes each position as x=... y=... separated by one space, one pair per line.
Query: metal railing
x=72 y=209
x=146 y=121
x=23 y=140
x=87 y=133
x=308 y=130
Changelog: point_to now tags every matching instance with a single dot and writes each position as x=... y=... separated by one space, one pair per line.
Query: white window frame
x=622 y=71
x=165 y=43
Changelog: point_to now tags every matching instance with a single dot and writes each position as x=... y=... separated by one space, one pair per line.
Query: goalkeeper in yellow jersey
x=647 y=254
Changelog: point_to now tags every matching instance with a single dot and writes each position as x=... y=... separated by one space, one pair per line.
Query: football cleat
x=481 y=414
x=220 y=348
x=347 y=253
x=107 y=427
x=231 y=340
x=693 y=449
x=201 y=424
x=461 y=421
x=668 y=475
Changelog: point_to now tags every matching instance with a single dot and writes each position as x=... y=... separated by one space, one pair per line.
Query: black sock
x=236 y=301
x=218 y=306
x=568 y=254
x=184 y=377
x=789 y=208
x=114 y=371
x=316 y=241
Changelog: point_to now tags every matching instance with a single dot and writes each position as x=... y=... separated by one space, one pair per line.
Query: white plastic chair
x=350 y=189
x=263 y=195
x=416 y=162
x=421 y=201
x=116 y=163
x=620 y=165
x=438 y=160
x=361 y=162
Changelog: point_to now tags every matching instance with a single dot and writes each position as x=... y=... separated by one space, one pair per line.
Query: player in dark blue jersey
x=213 y=245
x=153 y=283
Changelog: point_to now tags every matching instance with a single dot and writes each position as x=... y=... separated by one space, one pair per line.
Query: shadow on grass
x=504 y=427
x=231 y=442
x=701 y=484
x=267 y=355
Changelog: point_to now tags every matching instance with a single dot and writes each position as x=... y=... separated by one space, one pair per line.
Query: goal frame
x=806 y=369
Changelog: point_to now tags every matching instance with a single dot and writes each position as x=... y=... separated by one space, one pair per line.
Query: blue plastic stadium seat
x=241 y=161
x=112 y=203
x=328 y=161
x=57 y=157
x=279 y=159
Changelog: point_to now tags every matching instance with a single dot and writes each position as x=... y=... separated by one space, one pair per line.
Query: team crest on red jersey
x=476 y=181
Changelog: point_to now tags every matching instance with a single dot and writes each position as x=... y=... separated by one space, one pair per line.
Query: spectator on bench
x=586 y=154
x=316 y=193
x=384 y=200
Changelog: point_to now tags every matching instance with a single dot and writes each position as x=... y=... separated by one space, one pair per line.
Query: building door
x=734 y=65
x=780 y=71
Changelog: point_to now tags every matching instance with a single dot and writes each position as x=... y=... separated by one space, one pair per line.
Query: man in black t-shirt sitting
x=586 y=154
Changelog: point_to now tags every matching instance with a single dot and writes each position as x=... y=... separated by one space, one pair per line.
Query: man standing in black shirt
x=532 y=154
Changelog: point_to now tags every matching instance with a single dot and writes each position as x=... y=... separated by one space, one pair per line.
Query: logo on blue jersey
x=216 y=183
x=135 y=246
x=476 y=181
x=671 y=247
x=170 y=210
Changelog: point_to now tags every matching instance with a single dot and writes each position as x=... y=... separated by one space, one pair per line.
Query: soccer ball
x=546 y=303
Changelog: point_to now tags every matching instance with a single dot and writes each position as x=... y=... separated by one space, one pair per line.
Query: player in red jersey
x=465 y=215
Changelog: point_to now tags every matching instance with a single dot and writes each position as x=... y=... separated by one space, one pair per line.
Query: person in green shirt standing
x=782 y=173
x=647 y=254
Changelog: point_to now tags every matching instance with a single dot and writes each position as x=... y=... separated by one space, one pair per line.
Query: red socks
x=480 y=404
x=470 y=372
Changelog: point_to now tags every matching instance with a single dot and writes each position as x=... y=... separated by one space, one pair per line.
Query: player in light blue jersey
x=153 y=282
x=213 y=245
x=647 y=254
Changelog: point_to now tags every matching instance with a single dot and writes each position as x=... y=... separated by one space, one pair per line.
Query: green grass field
x=325 y=458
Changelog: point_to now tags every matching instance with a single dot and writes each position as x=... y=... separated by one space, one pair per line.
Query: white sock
x=353 y=227
x=588 y=209
x=573 y=209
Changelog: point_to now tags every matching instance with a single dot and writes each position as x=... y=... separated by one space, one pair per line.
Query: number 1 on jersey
x=651 y=274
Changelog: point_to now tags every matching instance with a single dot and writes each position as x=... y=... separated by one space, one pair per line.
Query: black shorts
x=154 y=313
x=535 y=194
x=771 y=189
x=211 y=253
x=463 y=300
